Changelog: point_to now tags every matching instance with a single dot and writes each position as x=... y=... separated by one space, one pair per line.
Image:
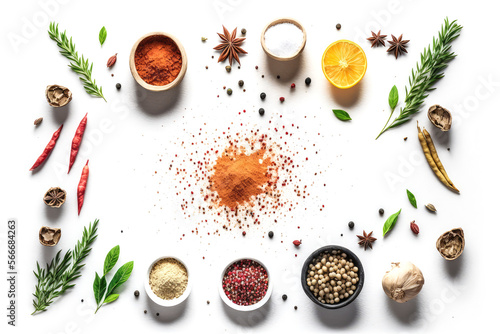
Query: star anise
x=55 y=197
x=397 y=45
x=377 y=39
x=230 y=46
x=366 y=240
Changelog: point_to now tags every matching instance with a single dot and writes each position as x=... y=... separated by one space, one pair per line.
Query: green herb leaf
x=390 y=222
x=411 y=198
x=78 y=63
x=111 y=298
x=102 y=35
x=393 y=97
x=97 y=282
x=56 y=278
x=111 y=259
x=121 y=276
x=341 y=114
x=433 y=61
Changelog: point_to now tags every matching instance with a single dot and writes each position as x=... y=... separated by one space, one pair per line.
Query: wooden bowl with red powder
x=158 y=61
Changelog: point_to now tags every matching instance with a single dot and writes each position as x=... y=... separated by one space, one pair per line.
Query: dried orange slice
x=344 y=63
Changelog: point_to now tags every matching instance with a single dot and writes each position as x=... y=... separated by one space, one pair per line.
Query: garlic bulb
x=403 y=282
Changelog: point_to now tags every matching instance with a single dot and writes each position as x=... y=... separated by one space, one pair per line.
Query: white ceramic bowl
x=164 y=302
x=242 y=307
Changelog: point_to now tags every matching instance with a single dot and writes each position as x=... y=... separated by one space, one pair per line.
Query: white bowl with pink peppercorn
x=245 y=284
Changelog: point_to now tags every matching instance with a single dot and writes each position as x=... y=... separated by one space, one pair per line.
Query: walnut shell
x=49 y=236
x=451 y=244
x=440 y=117
x=58 y=96
x=55 y=197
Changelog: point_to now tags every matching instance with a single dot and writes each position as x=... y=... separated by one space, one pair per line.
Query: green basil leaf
x=390 y=222
x=96 y=285
x=111 y=259
x=99 y=288
x=393 y=97
x=411 y=198
x=121 y=276
x=341 y=114
x=111 y=298
x=102 y=35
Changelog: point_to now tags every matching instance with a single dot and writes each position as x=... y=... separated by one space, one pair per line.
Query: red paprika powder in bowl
x=158 y=61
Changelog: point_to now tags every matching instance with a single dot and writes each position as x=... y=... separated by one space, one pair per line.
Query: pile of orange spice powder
x=226 y=179
x=158 y=60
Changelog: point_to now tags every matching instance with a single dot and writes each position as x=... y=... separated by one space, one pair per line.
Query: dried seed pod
x=451 y=244
x=431 y=207
x=111 y=60
x=55 y=197
x=440 y=117
x=58 y=96
x=38 y=121
x=49 y=236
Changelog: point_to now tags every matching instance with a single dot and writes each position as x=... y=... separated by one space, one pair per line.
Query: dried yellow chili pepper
x=432 y=162
x=435 y=156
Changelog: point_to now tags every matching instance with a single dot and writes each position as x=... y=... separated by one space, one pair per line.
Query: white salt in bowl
x=243 y=308
x=164 y=302
x=288 y=57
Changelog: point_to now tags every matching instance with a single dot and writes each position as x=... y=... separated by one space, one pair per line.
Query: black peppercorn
x=271 y=234
x=118 y=85
x=338 y=26
x=295 y=307
x=308 y=81
x=278 y=76
x=284 y=297
x=241 y=83
x=136 y=293
x=351 y=225
x=262 y=96
x=145 y=311
x=261 y=111
x=243 y=31
x=381 y=211
x=157 y=314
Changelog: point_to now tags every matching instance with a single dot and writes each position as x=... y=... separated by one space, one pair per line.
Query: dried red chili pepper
x=82 y=186
x=50 y=146
x=77 y=140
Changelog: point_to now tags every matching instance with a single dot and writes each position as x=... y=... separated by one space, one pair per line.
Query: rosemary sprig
x=56 y=278
x=433 y=62
x=78 y=64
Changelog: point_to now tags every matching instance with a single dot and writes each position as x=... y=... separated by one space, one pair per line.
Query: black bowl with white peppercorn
x=343 y=280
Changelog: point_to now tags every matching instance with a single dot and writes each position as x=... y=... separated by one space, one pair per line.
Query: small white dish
x=242 y=307
x=164 y=302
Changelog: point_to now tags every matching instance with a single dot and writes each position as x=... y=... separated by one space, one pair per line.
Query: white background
x=126 y=137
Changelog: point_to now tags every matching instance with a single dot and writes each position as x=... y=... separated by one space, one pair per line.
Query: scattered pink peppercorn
x=244 y=233
x=293 y=85
x=297 y=242
x=282 y=99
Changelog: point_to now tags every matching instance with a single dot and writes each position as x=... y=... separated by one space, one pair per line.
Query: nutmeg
x=58 y=96
x=451 y=244
x=440 y=117
x=49 y=236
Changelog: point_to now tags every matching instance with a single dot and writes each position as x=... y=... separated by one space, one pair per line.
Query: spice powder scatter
x=238 y=178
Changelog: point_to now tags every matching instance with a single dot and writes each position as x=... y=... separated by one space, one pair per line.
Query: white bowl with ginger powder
x=167 y=282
